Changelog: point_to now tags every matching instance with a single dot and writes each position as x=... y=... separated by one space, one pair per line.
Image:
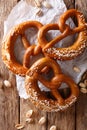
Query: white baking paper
x=23 y=12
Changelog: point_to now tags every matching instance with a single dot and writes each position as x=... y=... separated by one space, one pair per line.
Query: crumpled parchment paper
x=25 y=11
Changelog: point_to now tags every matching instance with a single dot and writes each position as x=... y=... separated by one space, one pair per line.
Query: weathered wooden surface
x=81 y=105
x=13 y=110
x=81 y=113
x=9 y=105
x=82 y=6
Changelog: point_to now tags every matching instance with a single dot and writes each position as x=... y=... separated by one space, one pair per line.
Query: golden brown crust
x=36 y=71
x=69 y=52
x=36 y=95
x=31 y=51
x=8 y=46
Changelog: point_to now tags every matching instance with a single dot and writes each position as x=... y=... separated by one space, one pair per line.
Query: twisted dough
x=69 y=52
x=36 y=71
x=37 y=96
x=8 y=46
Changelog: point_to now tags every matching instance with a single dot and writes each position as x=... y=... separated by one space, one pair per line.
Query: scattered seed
x=83 y=90
x=53 y=127
x=47 y=5
x=19 y=126
x=42 y=120
x=29 y=120
x=39 y=12
x=82 y=85
x=37 y=3
x=29 y=113
x=85 y=82
x=84 y=76
x=76 y=69
x=7 y=83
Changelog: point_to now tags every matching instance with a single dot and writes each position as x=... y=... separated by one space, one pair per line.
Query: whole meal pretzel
x=72 y=51
x=8 y=47
x=38 y=97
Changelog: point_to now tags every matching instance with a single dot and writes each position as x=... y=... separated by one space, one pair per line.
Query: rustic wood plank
x=69 y=4
x=63 y=120
x=81 y=5
x=81 y=106
x=26 y=105
x=9 y=112
x=81 y=113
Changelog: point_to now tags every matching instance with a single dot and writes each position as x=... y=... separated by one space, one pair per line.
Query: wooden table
x=13 y=109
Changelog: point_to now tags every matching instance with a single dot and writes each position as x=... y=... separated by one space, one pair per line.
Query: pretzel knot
x=69 y=52
x=56 y=102
x=8 y=55
x=32 y=50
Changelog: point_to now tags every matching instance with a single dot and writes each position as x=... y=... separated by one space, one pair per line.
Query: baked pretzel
x=36 y=96
x=33 y=50
x=69 y=52
x=8 y=46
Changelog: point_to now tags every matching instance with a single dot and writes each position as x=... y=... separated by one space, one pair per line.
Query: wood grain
x=69 y=4
x=63 y=120
x=13 y=110
x=81 y=5
x=81 y=106
x=26 y=105
x=66 y=118
x=81 y=113
x=9 y=114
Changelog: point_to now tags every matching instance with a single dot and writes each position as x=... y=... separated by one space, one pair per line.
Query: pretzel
x=37 y=97
x=33 y=50
x=8 y=46
x=69 y=52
